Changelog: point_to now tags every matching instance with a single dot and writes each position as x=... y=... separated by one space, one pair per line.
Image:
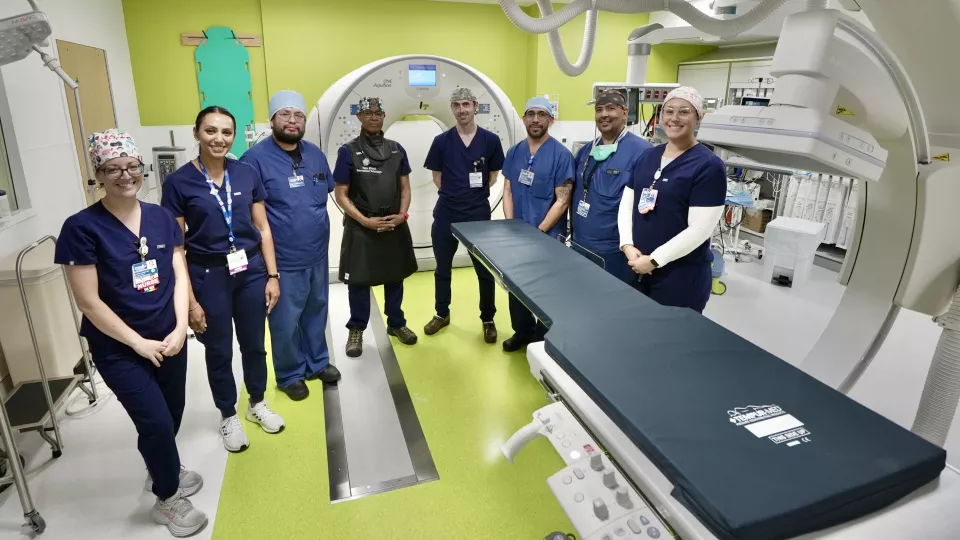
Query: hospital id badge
x=476 y=179
x=295 y=181
x=583 y=209
x=146 y=278
x=526 y=177
x=237 y=261
x=648 y=200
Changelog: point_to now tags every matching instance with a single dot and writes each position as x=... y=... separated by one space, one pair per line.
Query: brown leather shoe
x=435 y=324
x=490 y=332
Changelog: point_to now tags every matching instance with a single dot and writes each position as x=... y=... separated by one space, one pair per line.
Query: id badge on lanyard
x=146 y=276
x=476 y=177
x=236 y=259
x=648 y=200
x=583 y=208
x=526 y=175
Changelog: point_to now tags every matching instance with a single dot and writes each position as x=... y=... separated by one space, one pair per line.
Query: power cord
x=104 y=396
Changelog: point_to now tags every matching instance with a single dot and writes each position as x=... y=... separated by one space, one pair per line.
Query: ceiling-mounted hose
x=556 y=42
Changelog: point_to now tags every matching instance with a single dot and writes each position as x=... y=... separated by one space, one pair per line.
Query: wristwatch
x=273 y=276
x=654 y=263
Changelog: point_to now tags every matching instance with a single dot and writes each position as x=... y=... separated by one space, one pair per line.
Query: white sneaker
x=179 y=515
x=270 y=421
x=190 y=482
x=234 y=438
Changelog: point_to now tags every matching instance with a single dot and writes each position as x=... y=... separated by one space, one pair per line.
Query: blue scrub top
x=297 y=214
x=455 y=162
x=552 y=167
x=343 y=169
x=187 y=195
x=94 y=236
x=697 y=177
x=598 y=231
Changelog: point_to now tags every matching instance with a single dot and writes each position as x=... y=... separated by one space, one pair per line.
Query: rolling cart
x=33 y=404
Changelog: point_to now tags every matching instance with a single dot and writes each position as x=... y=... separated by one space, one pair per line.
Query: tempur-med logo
x=772 y=422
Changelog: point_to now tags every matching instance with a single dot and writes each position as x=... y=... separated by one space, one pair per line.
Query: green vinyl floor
x=469 y=396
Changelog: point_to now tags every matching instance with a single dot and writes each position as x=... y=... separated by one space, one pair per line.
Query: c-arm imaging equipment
x=902 y=256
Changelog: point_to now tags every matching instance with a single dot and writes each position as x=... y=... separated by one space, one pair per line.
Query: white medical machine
x=410 y=86
x=166 y=160
x=894 y=90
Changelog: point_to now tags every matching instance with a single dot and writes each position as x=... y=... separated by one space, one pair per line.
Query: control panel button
x=634 y=526
x=596 y=462
x=621 y=532
x=610 y=479
x=578 y=472
x=653 y=532
x=601 y=510
x=560 y=435
x=567 y=480
x=549 y=428
x=607 y=537
x=623 y=497
x=578 y=497
x=566 y=444
x=644 y=521
x=545 y=420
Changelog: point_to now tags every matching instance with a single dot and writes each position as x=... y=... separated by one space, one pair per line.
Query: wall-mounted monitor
x=422 y=75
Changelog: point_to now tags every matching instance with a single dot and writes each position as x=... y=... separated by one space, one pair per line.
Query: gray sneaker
x=190 y=482
x=355 y=343
x=179 y=515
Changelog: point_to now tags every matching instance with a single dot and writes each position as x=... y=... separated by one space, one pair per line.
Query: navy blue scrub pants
x=524 y=323
x=154 y=399
x=226 y=300
x=616 y=265
x=360 y=306
x=687 y=285
x=298 y=324
x=444 y=248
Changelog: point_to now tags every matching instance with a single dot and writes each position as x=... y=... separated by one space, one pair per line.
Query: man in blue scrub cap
x=297 y=181
x=539 y=178
x=603 y=168
x=465 y=161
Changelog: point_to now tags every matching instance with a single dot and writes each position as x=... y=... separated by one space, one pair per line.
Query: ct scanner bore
x=410 y=85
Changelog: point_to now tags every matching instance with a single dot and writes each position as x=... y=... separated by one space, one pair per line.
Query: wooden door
x=88 y=66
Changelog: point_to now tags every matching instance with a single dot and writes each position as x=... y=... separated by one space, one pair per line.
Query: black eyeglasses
x=114 y=173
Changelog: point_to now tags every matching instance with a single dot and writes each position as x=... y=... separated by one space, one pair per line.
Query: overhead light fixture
x=20 y=33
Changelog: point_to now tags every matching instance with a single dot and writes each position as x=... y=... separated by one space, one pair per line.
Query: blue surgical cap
x=539 y=102
x=287 y=99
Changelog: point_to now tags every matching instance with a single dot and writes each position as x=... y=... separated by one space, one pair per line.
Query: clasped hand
x=640 y=263
x=384 y=224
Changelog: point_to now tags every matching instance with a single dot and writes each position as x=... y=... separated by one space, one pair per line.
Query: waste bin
x=789 y=246
x=52 y=320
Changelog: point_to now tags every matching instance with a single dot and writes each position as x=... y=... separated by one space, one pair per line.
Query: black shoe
x=297 y=391
x=435 y=324
x=355 y=343
x=329 y=374
x=490 y=332
x=517 y=342
x=404 y=334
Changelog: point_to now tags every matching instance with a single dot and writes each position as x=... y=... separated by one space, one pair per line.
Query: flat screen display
x=422 y=75
x=750 y=101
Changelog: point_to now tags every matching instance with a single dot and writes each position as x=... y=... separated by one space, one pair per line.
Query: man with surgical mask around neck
x=602 y=169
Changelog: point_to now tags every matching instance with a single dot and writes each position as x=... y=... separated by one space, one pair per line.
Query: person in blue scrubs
x=124 y=261
x=233 y=272
x=465 y=161
x=373 y=189
x=671 y=209
x=539 y=177
x=603 y=168
x=297 y=181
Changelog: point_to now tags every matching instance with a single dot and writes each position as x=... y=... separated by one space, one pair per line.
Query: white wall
x=41 y=119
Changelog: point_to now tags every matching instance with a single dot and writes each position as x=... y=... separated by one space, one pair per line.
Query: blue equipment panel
x=756 y=448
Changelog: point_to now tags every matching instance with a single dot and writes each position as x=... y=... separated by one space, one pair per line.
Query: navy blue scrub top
x=297 y=214
x=343 y=169
x=552 y=167
x=455 y=162
x=94 y=236
x=598 y=231
x=187 y=195
x=697 y=177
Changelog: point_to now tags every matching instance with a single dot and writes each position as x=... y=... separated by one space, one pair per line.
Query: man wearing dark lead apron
x=373 y=188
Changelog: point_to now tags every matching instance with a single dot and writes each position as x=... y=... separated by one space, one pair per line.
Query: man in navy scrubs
x=603 y=168
x=465 y=161
x=297 y=181
x=539 y=178
x=373 y=188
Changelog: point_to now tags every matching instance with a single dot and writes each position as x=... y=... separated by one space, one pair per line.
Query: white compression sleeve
x=625 y=218
x=701 y=221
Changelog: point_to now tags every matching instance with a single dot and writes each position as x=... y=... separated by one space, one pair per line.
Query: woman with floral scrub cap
x=667 y=216
x=125 y=263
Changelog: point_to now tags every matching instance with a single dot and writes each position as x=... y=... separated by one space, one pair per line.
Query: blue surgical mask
x=603 y=152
